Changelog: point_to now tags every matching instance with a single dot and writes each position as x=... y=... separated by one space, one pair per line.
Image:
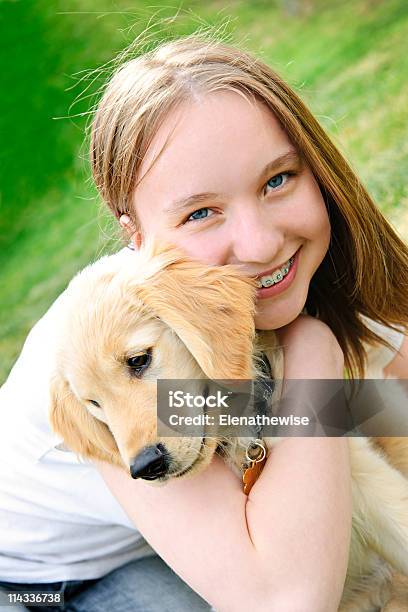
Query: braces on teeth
x=277 y=276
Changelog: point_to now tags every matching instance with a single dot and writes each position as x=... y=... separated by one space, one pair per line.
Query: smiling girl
x=205 y=147
x=200 y=144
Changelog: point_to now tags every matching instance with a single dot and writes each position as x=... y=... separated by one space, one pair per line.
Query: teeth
x=277 y=276
x=267 y=281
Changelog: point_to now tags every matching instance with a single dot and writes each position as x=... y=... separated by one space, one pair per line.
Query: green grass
x=347 y=59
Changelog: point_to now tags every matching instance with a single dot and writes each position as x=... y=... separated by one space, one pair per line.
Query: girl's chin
x=274 y=318
x=264 y=325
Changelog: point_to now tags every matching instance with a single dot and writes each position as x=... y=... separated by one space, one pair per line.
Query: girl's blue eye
x=278 y=180
x=201 y=213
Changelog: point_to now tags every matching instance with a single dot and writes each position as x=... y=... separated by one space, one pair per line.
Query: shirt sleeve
x=24 y=397
x=378 y=357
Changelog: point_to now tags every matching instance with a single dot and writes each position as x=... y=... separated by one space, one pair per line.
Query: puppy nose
x=150 y=463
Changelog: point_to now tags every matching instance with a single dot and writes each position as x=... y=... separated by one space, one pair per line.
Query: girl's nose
x=253 y=239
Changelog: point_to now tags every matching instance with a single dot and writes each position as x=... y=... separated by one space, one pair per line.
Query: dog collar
x=256 y=452
x=256 y=455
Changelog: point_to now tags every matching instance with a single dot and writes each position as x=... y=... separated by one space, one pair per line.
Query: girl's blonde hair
x=366 y=268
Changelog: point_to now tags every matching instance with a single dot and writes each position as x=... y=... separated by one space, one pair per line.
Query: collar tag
x=256 y=456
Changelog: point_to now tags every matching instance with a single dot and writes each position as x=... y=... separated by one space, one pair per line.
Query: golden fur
x=198 y=321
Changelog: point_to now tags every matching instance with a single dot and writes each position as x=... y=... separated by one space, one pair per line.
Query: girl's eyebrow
x=290 y=157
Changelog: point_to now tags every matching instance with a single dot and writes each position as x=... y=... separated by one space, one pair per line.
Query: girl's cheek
x=316 y=220
x=197 y=245
x=323 y=225
x=205 y=250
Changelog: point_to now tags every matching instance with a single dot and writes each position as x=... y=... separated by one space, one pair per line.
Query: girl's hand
x=311 y=353
x=310 y=350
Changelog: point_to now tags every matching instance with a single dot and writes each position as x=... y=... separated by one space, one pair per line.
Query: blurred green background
x=347 y=58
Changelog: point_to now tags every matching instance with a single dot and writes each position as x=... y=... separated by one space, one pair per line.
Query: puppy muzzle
x=151 y=463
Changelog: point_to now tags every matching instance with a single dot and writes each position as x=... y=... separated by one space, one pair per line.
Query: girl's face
x=229 y=188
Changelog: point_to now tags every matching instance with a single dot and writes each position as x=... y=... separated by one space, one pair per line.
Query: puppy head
x=130 y=320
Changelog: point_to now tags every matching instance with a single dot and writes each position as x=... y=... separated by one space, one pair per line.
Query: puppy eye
x=139 y=363
x=95 y=403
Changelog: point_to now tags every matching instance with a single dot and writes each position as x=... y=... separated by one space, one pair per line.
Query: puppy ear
x=81 y=432
x=211 y=309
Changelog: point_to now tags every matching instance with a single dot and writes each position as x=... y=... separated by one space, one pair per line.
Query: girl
x=207 y=148
x=202 y=145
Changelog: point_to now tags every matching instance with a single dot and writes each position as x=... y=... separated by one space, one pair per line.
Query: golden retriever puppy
x=134 y=318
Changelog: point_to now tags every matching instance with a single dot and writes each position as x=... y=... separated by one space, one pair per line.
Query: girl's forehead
x=214 y=128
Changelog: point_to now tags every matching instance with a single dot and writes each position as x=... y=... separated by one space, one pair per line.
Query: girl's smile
x=275 y=281
x=222 y=181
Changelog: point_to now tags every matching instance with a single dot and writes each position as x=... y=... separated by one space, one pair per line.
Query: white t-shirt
x=58 y=519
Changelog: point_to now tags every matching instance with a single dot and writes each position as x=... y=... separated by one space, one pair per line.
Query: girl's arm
x=282 y=548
